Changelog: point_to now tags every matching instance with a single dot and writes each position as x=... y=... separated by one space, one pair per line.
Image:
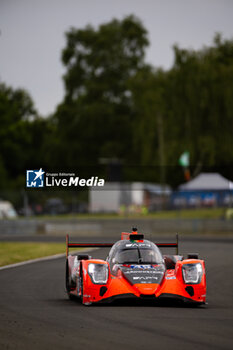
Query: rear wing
x=109 y=245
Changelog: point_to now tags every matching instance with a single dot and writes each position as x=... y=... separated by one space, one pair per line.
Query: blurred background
x=137 y=93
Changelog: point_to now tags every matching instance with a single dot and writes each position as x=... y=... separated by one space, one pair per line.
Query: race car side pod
x=109 y=245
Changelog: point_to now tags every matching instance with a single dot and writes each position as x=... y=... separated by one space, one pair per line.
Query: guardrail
x=108 y=227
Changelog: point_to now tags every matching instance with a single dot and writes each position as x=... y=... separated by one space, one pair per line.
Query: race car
x=134 y=268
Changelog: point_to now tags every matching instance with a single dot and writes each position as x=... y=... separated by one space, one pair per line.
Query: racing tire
x=81 y=286
x=81 y=291
x=70 y=296
x=67 y=277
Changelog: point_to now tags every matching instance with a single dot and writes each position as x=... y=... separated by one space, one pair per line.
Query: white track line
x=45 y=258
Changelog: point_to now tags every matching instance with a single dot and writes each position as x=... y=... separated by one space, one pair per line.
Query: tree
x=23 y=136
x=95 y=117
x=188 y=107
x=16 y=112
x=148 y=92
x=201 y=103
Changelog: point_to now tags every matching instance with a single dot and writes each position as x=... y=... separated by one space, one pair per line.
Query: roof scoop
x=136 y=237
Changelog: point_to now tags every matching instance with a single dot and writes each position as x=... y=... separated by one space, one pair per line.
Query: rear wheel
x=72 y=296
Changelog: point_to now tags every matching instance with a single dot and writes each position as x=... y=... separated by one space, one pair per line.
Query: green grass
x=203 y=213
x=13 y=252
x=200 y=213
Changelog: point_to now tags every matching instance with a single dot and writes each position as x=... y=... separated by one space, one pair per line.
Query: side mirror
x=192 y=256
x=84 y=257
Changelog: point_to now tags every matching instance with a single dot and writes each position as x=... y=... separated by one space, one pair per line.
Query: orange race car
x=134 y=268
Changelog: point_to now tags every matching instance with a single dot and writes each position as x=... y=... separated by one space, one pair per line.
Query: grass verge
x=14 y=252
x=196 y=213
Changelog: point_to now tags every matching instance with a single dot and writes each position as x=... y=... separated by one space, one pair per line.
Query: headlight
x=98 y=273
x=192 y=273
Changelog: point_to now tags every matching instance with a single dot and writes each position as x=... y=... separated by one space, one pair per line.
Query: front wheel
x=81 y=286
x=67 y=277
x=67 y=281
x=81 y=290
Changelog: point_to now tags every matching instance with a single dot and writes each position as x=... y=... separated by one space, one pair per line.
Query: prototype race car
x=134 y=268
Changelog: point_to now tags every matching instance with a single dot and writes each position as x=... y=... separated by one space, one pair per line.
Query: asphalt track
x=35 y=312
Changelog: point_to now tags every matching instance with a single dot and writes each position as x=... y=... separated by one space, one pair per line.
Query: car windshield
x=138 y=256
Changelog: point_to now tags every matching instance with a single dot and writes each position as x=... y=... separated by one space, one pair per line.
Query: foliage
x=119 y=108
x=188 y=107
x=95 y=117
x=23 y=136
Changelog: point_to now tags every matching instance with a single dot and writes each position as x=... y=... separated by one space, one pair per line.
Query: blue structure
x=206 y=190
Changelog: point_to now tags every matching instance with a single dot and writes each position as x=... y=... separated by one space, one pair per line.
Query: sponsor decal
x=39 y=178
x=141 y=266
x=128 y=272
x=145 y=277
x=140 y=245
x=170 y=275
x=142 y=275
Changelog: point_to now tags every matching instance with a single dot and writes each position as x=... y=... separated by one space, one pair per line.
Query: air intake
x=190 y=290
x=137 y=237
